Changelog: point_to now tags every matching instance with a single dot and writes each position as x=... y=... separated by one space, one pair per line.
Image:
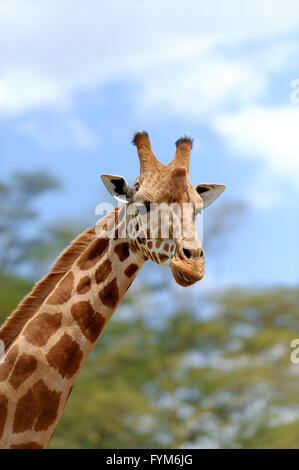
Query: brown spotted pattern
x=38 y=406
x=103 y=271
x=93 y=254
x=84 y=285
x=131 y=269
x=7 y=365
x=3 y=412
x=90 y=322
x=163 y=257
x=23 y=369
x=65 y=356
x=122 y=250
x=158 y=242
x=27 y=445
x=42 y=327
x=109 y=295
x=37 y=409
x=63 y=292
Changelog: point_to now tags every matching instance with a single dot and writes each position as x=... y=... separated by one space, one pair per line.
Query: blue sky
x=78 y=78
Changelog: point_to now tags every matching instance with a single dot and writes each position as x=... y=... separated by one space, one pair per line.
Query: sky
x=77 y=79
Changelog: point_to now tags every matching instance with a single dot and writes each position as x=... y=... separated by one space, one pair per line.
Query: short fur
x=28 y=306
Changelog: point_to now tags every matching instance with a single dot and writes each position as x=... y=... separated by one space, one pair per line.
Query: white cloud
x=202 y=81
x=24 y=89
x=52 y=48
x=268 y=134
x=63 y=133
x=2 y=91
x=187 y=61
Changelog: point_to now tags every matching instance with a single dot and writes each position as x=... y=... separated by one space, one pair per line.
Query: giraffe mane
x=28 y=306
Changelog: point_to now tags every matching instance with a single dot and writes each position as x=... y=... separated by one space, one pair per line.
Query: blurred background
x=201 y=367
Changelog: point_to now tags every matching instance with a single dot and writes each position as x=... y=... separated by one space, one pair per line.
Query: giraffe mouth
x=181 y=278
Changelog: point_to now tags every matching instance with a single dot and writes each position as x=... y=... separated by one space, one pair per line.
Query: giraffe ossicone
x=49 y=336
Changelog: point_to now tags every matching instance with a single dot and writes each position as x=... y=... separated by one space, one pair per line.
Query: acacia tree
x=189 y=380
x=27 y=247
x=25 y=242
x=17 y=213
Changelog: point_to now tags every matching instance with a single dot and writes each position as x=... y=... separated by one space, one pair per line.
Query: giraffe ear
x=209 y=192
x=118 y=187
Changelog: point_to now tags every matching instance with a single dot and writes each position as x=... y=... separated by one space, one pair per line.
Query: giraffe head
x=161 y=209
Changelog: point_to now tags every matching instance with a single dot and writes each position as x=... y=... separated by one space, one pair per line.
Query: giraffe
x=50 y=335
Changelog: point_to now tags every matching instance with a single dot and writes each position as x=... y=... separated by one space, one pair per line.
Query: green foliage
x=222 y=381
x=167 y=378
x=24 y=242
x=12 y=291
x=17 y=210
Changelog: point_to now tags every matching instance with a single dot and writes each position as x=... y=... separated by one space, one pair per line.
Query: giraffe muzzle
x=188 y=269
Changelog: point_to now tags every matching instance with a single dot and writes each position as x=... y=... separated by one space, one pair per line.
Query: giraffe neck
x=41 y=365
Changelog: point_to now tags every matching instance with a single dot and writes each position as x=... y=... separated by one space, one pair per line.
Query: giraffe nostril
x=193 y=253
x=187 y=253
